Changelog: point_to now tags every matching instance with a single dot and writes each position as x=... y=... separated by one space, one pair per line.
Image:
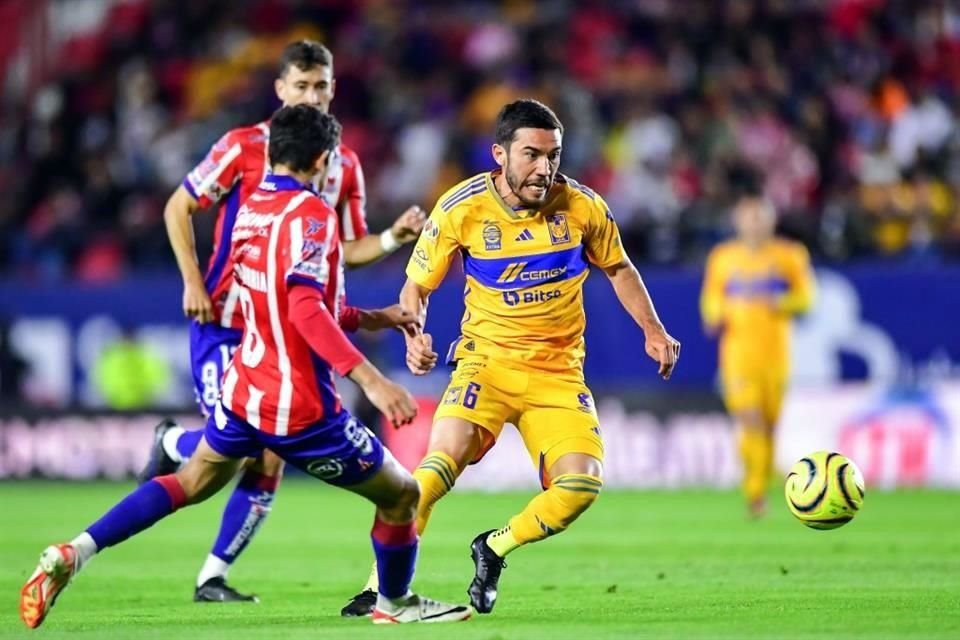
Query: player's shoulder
x=246 y=137
x=461 y=195
x=309 y=213
x=791 y=248
x=311 y=204
x=580 y=197
x=724 y=249
x=576 y=190
x=348 y=157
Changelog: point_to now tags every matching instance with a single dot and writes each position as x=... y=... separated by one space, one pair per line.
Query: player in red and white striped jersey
x=229 y=174
x=279 y=393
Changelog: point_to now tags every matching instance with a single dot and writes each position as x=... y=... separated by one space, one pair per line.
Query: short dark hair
x=305 y=55
x=299 y=135
x=522 y=114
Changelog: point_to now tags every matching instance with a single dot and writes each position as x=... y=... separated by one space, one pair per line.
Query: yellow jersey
x=749 y=296
x=524 y=269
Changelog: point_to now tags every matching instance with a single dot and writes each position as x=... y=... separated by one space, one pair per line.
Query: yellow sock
x=756 y=449
x=502 y=541
x=549 y=513
x=436 y=475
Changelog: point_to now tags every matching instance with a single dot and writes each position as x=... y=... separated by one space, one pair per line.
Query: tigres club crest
x=559 y=232
x=491 y=237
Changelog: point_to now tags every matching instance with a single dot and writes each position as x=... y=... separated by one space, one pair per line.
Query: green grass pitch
x=638 y=565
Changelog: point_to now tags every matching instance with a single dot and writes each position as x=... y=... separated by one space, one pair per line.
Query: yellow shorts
x=760 y=391
x=554 y=412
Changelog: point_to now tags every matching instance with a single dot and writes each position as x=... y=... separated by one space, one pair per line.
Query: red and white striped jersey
x=232 y=170
x=283 y=236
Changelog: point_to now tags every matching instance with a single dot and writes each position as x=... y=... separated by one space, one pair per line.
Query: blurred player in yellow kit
x=754 y=285
x=528 y=236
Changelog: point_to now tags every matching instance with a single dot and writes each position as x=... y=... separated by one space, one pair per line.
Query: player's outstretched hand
x=197 y=303
x=408 y=226
x=421 y=357
x=392 y=317
x=663 y=348
x=393 y=401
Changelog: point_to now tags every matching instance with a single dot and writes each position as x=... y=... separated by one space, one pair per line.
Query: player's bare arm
x=392 y=317
x=391 y=399
x=421 y=357
x=369 y=249
x=177 y=216
x=635 y=298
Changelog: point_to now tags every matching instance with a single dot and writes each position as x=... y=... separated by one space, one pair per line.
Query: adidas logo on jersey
x=524 y=235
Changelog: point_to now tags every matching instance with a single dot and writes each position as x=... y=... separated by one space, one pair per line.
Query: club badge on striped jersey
x=559 y=232
x=492 y=236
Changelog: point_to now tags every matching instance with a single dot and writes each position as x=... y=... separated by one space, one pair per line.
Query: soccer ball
x=824 y=490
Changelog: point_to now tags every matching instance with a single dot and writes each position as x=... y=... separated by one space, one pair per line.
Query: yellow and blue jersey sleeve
x=602 y=237
x=435 y=249
x=801 y=287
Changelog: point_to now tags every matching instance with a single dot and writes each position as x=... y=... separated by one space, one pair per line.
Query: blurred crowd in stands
x=846 y=109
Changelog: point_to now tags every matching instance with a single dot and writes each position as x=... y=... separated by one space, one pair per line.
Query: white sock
x=86 y=548
x=213 y=567
x=169 y=443
x=392 y=605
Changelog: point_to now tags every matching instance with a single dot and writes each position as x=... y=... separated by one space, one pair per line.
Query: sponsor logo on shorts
x=453 y=395
x=326 y=468
x=586 y=402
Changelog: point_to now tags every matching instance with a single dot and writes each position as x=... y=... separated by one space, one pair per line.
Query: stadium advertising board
x=898 y=437
x=857 y=331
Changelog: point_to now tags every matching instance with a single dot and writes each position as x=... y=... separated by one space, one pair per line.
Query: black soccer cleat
x=217 y=590
x=360 y=605
x=159 y=463
x=483 y=589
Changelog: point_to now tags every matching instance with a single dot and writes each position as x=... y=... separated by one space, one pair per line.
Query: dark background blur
x=844 y=112
x=847 y=108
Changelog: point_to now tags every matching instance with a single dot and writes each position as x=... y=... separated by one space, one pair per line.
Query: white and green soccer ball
x=824 y=490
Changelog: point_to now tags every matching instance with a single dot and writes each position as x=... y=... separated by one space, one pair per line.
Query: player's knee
x=574 y=495
x=750 y=420
x=409 y=496
x=193 y=485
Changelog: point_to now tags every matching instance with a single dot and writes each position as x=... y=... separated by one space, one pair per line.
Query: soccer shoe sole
x=52 y=575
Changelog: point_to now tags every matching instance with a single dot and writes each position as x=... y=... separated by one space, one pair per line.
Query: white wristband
x=389 y=241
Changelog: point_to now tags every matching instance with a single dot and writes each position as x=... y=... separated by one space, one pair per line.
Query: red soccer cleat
x=58 y=565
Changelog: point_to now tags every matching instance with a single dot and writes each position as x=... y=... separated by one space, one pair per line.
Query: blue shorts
x=211 y=348
x=339 y=450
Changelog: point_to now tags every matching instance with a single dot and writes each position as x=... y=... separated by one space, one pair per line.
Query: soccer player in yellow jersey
x=754 y=285
x=528 y=236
